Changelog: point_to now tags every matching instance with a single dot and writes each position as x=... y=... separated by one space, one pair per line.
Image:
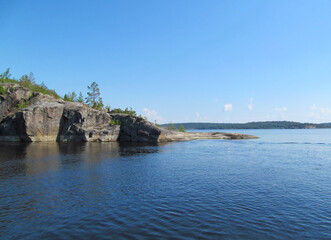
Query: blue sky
x=179 y=61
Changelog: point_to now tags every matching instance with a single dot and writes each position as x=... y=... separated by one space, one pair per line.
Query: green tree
x=80 y=98
x=171 y=126
x=70 y=97
x=130 y=111
x=5 y=75
x=43 y=86
x=93 y=96
x=182 y=128
x=27 y=80
x=107 y=108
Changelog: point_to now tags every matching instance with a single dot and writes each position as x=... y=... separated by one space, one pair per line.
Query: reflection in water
x=192 y=190
x=133 y=148
x=32 y=158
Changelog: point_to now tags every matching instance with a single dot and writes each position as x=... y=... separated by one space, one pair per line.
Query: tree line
x=93 y=97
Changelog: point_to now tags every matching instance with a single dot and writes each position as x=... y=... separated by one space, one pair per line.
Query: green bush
x=130 y=111
x=171 y=127
x=70 y=97
x=28 y=82
x=182 y=128
x=2 y=90
x=115 y=122
x=21 y=105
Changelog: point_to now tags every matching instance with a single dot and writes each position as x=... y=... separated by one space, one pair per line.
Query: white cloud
x=281 y=109
x=250 y=105
x=197 y=114
x=152 y=115
x=320 y=113
x=228 y=107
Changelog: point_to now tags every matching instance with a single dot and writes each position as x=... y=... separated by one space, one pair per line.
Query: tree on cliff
x=80 y=98
x=5 y=75
x=27 y=80
x=93 y=96
x=70 y=97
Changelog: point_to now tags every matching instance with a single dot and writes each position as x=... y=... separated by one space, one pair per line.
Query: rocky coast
x=27 y=116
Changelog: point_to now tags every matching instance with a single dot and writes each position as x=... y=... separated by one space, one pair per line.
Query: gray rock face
x=136 y=129
x=49 y=119
x=9 y=101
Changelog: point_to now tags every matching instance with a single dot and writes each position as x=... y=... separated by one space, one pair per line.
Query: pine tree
x=80 y=98
x=93 y=96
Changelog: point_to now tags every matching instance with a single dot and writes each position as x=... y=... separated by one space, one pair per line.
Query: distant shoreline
x=250 y=125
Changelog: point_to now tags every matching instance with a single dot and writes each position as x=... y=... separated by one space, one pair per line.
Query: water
x=274 y=187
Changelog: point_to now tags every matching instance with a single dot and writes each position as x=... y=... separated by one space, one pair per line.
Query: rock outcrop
x=136 y=129
x=184 y=136
x=15 y=94
x=44 y=118
x=50 y=119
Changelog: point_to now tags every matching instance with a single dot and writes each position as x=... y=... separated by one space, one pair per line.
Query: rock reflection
x=134 y=148
x=10 y=151
x=41 y=157
x=11 y=158
x=33 y=158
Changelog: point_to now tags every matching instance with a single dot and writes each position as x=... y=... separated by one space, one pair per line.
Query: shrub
x=171 y=126
x=2 y=90
x=115 y=122
x=21 y=105
x=130 y=111
x=182 y=128
x=80 y=98
x=70 y=97
x=28 y=81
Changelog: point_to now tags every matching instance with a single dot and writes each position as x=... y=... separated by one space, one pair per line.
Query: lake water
x=274 y=187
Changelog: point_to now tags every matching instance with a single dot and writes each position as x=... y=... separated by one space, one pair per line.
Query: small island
x=30 y=112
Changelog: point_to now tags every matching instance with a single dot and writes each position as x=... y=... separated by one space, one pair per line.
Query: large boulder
x=136 y=129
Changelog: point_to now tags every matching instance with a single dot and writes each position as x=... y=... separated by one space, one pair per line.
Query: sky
x=179 y=60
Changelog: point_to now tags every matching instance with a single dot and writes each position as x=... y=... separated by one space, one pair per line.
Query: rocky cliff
x=28 y=116
x=44 y=118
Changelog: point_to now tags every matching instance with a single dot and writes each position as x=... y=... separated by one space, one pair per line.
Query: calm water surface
x=274 y=187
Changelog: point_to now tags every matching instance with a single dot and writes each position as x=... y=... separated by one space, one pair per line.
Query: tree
x=80 y=98
x=172 y=127
x=27 y=80
x=5 y=75
x=93 y=96
x=70 y=97
x=107 y=108
x=182 y=128
x=43 y=86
